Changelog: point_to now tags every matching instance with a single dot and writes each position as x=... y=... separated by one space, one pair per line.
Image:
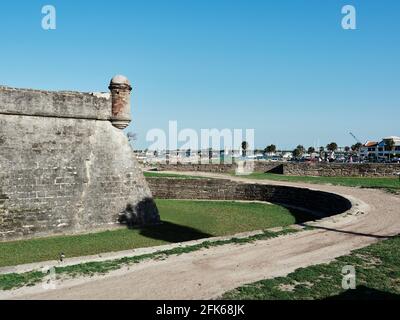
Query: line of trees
x=331 y=147
x=300 y=150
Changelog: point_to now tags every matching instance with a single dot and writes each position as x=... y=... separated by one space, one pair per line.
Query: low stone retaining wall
x=297 y=169
x=272 y=167
x=220 y=189
x=342 y=169
x=217 y=168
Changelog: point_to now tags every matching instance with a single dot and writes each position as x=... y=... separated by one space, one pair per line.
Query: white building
x=372 y=149
x=369 y=149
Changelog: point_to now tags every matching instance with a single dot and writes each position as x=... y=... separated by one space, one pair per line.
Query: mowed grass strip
x=183 y=220
x=363 y=182
x=16 y=280
x=377 y=272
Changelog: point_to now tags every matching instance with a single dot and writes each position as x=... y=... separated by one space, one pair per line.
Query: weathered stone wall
x=342 y=169
x=220 y=168
x=297 y=169
x=55 y=104
x=64 y=168
x=221 y=189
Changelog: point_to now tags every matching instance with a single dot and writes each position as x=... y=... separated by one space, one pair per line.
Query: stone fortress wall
x=297 y=169
x=319 y=202
x=65 y=165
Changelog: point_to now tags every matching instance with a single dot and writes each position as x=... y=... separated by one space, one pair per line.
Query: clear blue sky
x=285 y=68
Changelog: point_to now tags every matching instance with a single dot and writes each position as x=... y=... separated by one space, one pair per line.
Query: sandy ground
x=208 y=273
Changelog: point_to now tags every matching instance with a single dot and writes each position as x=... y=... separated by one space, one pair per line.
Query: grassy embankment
x=390 y=183
x=377 y=274
x=16 y=280
x=183 y=220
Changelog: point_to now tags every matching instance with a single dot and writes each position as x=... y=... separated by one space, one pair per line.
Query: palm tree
x=297 y=153
x=311 y=150
x=347 y=149
x=321 y=152
x=356 y=147
x=389 y=143
x=245 y=145
x=301 y=149
x=332 y=146
x=270 y=149
x=210 y=154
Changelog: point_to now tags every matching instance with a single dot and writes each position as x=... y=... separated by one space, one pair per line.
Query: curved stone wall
x=319 y=202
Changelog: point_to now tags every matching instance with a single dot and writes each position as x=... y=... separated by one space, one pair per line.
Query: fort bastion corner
x=65 y=164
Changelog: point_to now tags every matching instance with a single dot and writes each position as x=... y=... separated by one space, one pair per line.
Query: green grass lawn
x=364 y=182
x=183 y=220
x=377 y=274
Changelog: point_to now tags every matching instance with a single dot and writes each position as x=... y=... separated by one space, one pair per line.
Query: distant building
x=373 y=149
x=369 y=149
x=383 y=151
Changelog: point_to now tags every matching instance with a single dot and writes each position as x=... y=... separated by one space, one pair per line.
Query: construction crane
x=355 y=138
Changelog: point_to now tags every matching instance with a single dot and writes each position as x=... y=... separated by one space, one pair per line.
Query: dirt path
x=208 y=273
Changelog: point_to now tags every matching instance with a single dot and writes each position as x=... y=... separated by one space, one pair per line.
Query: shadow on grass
x=145 y=217
x=173 y=233
x=365 y=293
x=299 y=215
